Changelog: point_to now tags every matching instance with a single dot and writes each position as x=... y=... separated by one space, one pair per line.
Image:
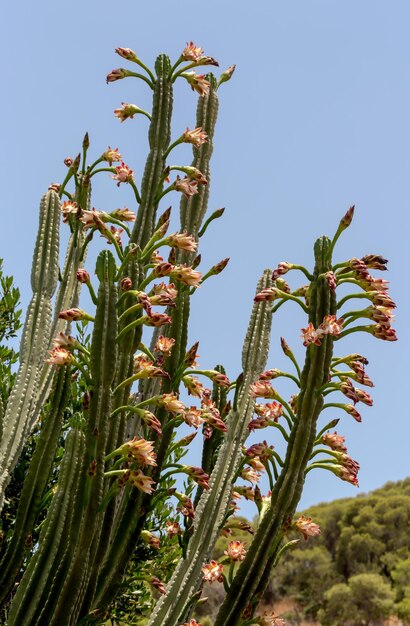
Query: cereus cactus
x=103 y=501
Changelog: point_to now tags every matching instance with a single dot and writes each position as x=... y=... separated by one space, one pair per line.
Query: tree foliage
x=358 y=571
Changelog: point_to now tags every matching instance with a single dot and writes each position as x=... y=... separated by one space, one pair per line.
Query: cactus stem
x=164 y=192
x=281 y=429
x=172 y=146
x=349 y=296
x=215 y=215
x=269 y=472
x=102 y=169
x=288 y=296
x=136 y=192
x=92 y=292
x=355 y=329
x=149 y=82
x=304 y=270
x=124 y=331
x=134 y=408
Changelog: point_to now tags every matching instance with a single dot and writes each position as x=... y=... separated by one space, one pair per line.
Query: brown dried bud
x=126 y=283
x=92 y=468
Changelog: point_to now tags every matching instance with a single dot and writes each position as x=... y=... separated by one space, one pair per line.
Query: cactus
x=20 y=417
x=115 y=404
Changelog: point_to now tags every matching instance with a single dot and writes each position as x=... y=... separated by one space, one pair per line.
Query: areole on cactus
x=102 y=487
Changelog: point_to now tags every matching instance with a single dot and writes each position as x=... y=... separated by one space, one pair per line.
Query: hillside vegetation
x=358 y=571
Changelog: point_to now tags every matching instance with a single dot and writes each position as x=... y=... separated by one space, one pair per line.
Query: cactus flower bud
x=227 y=74
x=347 y=219
x=150 y=539
x=196 y=136
x=349 y=408
x=83 y=276
x=283 y=268
x=198 y=82
x=127 y=53
x=375 y=261
x=331 y=280
x=306 y=527
x=186 y=186
x=126 y=283
x=74 y=315
x=118 y=74
x=218 y=267
x=212 y=572
x=123 y=174
x=128 y=110
x=111 y=155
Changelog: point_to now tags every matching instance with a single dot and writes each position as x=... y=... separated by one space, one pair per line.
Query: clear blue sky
x=316 y=118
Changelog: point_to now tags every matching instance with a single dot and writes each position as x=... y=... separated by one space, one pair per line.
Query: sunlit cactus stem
x=213 y=506
x=20 y=413
x=287 y=491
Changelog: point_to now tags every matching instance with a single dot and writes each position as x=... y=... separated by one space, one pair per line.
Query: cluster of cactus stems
x=121 y=447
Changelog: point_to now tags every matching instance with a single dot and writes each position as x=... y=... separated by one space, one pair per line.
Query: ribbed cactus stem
x=76 y=538
x=20 y=415
x=192 y=213
x=102 y=366
x=213 y=506
x=159 y=135
x=37 y=584
x=34 y=485
x=287 y=490
x=152 y=183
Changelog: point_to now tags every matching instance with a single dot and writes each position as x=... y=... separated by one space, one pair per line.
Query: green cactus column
x=20 y=415
x=288 y=488
x=55 y=581
x=213 y=506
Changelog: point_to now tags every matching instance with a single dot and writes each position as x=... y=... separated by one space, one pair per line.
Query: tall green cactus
x=109 y=491
x=288 y=489
x=213 y=506
x=19 y=416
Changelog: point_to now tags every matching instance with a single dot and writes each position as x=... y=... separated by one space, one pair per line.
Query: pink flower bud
x=126 y=283
x=82 y=275
x=73 y=315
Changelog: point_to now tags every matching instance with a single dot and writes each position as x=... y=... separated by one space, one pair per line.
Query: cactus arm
x=159 y=137
x=193 y=209
x=211 y=445
x=33 y=586
x=288 y=488
x=213 y=506
x=34 y=343
x=34 y=485
x=68 y=292
x=192 y=212
x=102 y=365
